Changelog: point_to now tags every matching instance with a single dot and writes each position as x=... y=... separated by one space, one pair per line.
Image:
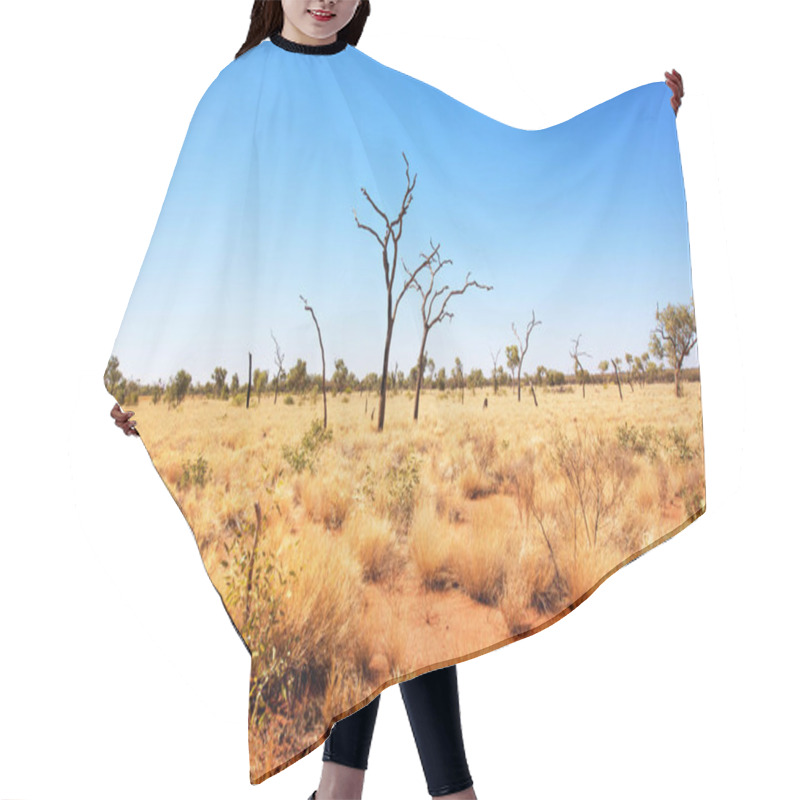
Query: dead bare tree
x=430 y=316
x=540 y=377
x=389 y=251
x=322 y=349
x=458 y=378
x=579 y=370
x=249 y=377
x=615 y=363
x=281 y=373
x=495 y=356
x=523 y=350
x=629 y=374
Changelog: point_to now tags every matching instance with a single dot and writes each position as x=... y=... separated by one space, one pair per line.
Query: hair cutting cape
x=419 y=381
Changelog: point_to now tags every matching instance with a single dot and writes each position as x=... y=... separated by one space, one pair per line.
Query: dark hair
x=266 y=18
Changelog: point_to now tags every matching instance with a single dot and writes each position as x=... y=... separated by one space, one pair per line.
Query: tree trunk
x=385 y=373
x=249 y=374
x=419 y=374
x=619 y=385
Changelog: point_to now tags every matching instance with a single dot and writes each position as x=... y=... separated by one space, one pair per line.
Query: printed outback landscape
x=363 y=528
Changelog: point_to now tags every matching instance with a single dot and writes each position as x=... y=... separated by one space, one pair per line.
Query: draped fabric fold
x=419 y=381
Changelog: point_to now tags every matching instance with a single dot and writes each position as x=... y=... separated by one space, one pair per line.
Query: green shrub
x=305 y=454
x=403 y=480
x=195 y=474
x=679 y=445
x=642 y=441
x=257 y=583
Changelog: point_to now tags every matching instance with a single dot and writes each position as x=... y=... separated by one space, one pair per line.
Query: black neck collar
x=311 y=49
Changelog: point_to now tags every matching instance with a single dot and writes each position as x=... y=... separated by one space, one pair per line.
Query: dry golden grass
x=482 y=551
x=325 y=498
x=429 y=545
x=322 y=605
x=528 y=582
x=373 y=543
x=514 y=509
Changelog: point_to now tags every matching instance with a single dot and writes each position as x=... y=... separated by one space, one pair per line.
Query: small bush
x=642 y=441
x=256 y=585
x=679 y=445
x=305 y=454
x=365 y=490
x=195 y=474
x=403 y=480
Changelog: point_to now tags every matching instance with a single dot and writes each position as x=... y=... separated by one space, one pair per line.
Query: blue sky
x=583 y=222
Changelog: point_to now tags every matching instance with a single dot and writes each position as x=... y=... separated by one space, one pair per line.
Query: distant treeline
x=638 y=371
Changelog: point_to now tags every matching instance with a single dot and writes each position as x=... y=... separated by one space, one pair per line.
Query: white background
x=120 y=673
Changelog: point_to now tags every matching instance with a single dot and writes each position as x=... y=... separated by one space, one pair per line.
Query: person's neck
x=294 y=34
